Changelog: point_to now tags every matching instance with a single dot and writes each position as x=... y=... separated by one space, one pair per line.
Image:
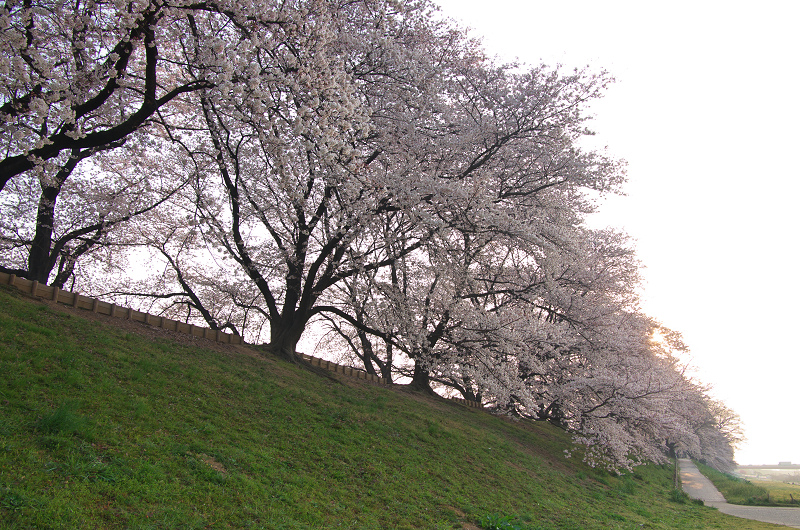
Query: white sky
x=706 y=112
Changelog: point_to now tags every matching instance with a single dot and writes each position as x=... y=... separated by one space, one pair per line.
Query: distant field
x=111 y=427
x=780 y=492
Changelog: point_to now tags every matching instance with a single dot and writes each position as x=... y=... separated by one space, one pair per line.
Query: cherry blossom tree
x=48 y=226
x=713 y=431
x=435 y=172
x=333 y=134
x=181 y=290
x=554 y=336
x=83 y=78
x=78 y=76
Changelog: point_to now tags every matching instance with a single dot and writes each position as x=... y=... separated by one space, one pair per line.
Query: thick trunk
x=421 y=380
x=467 y=389
x=40 y=262
x=386 y=368
x=284 y=339
x=42 y=258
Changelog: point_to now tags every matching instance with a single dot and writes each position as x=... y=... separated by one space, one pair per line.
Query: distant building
x=784 y=463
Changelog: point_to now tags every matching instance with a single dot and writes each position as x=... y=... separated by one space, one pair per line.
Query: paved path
x=698 y=486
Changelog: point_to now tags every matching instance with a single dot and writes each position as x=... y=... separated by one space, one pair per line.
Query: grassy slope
x=103 y=427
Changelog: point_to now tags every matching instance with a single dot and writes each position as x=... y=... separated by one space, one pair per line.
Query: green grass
x=781 y=493
x=740 y=491
x=105 y=428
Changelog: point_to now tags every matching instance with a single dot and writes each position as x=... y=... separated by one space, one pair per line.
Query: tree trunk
x=284 y=339
x=673 y=453
x=369 y=352
x=386 y=369
x=471 y=395
x=41 y=258
x=40 y=263
x=421 y=380
x=66 y=267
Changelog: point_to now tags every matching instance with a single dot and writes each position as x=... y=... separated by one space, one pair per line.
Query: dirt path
x=697 y=486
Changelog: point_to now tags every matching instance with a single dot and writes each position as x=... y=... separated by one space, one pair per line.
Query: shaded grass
x=102 y=427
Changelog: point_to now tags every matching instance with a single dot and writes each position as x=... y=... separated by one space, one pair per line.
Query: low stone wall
x=95 y=305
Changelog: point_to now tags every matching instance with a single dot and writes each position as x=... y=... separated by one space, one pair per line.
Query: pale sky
x=705 y=110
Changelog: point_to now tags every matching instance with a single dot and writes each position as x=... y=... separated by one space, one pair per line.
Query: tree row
x=355 y=170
